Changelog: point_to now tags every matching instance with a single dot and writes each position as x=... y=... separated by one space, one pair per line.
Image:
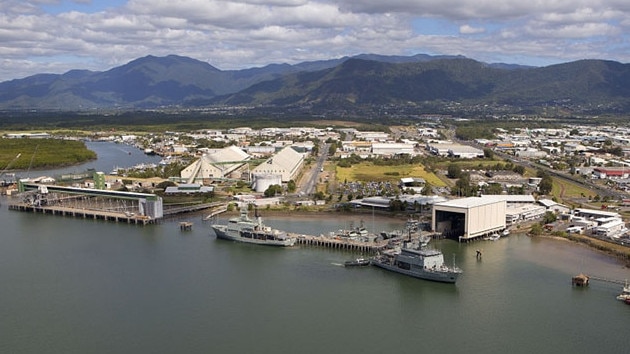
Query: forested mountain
x=364 y=80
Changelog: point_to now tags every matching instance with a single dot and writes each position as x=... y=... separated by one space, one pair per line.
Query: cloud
x=232 y=34
x=467 y=29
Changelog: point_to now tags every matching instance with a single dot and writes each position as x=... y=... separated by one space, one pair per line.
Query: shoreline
x=618 y=252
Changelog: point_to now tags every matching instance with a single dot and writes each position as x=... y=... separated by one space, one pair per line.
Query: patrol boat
x=244 y=229
x=417 y=261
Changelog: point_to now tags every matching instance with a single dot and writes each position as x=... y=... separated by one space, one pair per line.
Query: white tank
x=262 y=182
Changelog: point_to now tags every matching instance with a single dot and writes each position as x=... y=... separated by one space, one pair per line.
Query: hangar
x=468 y=218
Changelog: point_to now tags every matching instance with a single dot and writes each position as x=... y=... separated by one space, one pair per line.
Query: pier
x=95 y=214
x=341 y=244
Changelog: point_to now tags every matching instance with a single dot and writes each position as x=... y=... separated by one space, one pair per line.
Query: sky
x=55 y=36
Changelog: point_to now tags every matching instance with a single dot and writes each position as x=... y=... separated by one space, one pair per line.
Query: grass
x=564 y=189
x=367 y=171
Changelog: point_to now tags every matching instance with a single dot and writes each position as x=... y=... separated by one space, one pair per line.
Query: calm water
x=84 y=286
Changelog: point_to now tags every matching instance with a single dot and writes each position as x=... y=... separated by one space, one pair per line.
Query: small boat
x=494 y=237
x=358 y=262
x=625 y=293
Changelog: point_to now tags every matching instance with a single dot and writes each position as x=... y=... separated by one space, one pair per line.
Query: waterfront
x=85 y=286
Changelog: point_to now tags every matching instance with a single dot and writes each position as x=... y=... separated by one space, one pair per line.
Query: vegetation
x=368 y=171
x=43 y=153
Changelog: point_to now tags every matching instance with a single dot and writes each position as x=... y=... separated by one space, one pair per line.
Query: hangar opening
x=450 y=224
x=468 y=218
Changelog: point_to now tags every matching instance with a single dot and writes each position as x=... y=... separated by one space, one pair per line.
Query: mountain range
x=363 y=80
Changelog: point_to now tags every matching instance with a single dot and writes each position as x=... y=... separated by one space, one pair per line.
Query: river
x=85 y=286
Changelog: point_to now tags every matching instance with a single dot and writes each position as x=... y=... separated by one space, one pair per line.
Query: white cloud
x=233 y=34
x=467 y=29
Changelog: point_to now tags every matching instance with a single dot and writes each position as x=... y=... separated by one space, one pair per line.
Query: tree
x=273 y=190
x=454 y=171
x=427 y=189
x=549 y=217
x=536 y=230
x=546 y=184
x=519 y=169
x=463 y=187
x=488 y=153
x=291 y=187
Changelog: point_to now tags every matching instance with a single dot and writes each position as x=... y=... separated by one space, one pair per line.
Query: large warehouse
x=469 y=218
x=286 y=163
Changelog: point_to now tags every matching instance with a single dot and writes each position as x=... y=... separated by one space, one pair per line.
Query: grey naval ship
x=244 y=229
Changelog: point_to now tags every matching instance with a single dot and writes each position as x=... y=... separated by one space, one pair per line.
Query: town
x=565 y=180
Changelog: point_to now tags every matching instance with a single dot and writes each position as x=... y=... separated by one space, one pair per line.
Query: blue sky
x=54 y=36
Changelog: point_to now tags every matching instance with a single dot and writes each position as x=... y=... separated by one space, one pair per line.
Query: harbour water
x=86 y=286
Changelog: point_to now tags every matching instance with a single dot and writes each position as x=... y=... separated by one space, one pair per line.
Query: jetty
x=583 y=280
x=96 y=214
x=340 y=243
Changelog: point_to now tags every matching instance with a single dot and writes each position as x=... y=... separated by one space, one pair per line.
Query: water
x=84 y=286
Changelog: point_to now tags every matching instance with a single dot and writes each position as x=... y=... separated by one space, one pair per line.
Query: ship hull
x=438 y=276
x=237 y=236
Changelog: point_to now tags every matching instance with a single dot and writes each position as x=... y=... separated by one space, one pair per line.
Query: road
x=309 y=180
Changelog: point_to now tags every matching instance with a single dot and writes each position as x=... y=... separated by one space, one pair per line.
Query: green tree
x=546 y=184
x=291 y=186
x=536 y=230
x=549 y=217
x=454 y=171
x=273 y=190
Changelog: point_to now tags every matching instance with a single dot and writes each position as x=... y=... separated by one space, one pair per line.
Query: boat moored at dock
x=244 y=229
x=418 y=262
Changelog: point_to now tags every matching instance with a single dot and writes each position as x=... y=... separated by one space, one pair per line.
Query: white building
x=222 y=163
x=385 y=149
x=469 y=218
x=286 y=163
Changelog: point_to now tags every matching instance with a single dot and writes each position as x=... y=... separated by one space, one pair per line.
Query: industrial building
x=392 y=149
x=228 y=162
x=469 y=218
x=286 y=163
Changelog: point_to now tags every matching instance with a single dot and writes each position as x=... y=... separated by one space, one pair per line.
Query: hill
x=364 y=80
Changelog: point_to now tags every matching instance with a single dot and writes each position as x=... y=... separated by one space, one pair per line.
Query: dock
x=339 y=243
x=583 y=280
x=96 y=214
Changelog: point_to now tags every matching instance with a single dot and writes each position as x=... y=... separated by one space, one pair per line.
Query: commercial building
x=469 y=218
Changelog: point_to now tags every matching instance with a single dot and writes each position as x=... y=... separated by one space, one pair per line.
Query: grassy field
x=367 y=171
x=563 y=189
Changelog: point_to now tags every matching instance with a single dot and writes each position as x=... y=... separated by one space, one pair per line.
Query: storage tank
x=263 y=181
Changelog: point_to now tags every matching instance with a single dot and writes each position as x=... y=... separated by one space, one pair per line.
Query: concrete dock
x=96 y=214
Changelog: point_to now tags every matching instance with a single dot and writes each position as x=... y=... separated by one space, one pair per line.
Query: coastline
x=618 y=252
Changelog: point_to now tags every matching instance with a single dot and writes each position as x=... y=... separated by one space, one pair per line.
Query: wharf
x=173 y=210
x=96 y=214
x=338 y=243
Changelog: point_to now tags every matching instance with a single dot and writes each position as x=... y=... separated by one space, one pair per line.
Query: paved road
x=311 y=176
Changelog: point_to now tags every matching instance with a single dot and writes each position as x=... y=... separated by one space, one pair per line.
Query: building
x=223 y=163
x=469 y=218
x=386 y=149
x=611 y=172
x=286 y=163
